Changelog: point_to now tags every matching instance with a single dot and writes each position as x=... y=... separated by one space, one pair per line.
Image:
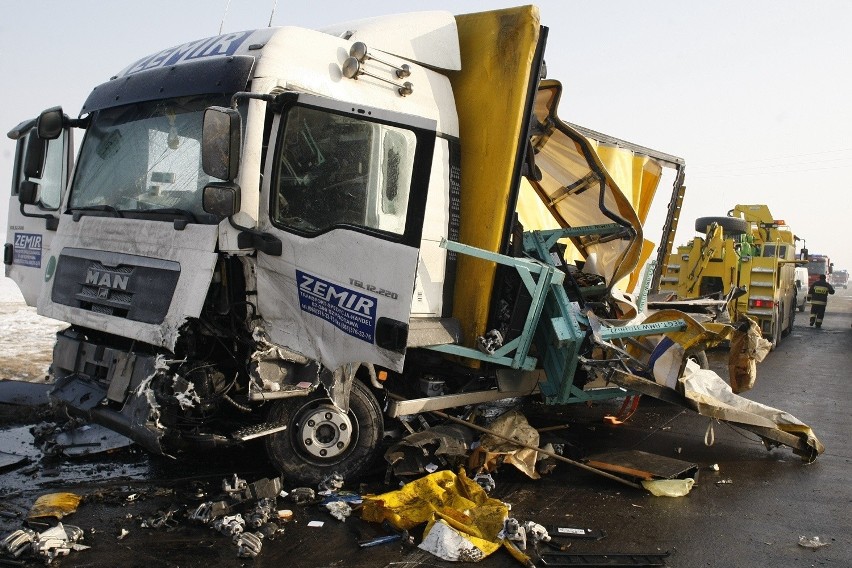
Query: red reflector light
x=764 y=304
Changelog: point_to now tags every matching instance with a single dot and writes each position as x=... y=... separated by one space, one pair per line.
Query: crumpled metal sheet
x=445 y=445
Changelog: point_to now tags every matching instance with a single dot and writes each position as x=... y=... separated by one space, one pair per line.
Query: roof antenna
x=222 y=25
x=274 y=5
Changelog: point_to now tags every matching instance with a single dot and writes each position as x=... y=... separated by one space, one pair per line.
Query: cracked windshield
x=145 y=158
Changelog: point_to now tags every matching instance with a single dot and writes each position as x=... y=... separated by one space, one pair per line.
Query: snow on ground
x=26 y=338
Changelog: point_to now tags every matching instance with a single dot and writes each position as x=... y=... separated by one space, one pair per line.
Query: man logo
x=106 y=280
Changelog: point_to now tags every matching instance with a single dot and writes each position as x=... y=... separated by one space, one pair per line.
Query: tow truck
x=747 y=261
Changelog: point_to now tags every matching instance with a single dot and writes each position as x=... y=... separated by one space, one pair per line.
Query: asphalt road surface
x=750 y=510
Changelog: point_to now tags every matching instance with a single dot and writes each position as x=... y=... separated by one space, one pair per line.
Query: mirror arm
x=252 y=238
x=51 y=223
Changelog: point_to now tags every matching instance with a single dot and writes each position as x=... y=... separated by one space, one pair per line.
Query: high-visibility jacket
x=819 y=291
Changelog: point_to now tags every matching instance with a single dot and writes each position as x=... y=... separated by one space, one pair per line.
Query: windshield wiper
x=188 y=215
x=80 y=211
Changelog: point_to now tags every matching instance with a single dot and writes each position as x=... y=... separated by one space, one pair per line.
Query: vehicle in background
x=747 y=259
x=818 y=264
x=801 y=287
x=839 y=278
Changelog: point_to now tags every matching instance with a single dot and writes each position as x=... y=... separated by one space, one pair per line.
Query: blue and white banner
x=27 y=250
x=351 y=311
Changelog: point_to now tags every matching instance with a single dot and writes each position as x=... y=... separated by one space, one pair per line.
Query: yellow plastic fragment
x=54 y=505
x=668 y=487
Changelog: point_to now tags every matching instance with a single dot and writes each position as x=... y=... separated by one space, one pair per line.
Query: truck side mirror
x=804 y=254
x=221 y=199
x=35 y=155
x=220 y=143
x=28 y=192
x=50 y=123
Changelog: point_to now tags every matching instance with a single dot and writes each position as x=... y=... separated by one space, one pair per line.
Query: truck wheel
x=776 y=329
x=732 y=226
x=321 y=440
x=792 y=318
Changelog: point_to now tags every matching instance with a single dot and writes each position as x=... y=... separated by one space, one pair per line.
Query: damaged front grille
x=121 y=285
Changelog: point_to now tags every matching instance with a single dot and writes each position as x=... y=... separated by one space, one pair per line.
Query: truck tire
x=320 y=440
x=791 y=320
x=776 y=329
x=732 y=226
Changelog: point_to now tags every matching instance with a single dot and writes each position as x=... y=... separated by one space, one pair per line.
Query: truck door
x=346 y=189
x=31 y=227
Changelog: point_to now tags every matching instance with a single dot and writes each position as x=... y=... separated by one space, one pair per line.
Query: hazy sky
x=755 y=95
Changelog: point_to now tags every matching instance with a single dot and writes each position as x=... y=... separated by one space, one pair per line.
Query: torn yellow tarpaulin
x=579 y=192
x=637 y=176
x=456 y=499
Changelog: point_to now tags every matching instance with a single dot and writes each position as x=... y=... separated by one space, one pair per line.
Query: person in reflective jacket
x=818 y=297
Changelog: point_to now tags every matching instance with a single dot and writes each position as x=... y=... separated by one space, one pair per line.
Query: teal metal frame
x=553 y=321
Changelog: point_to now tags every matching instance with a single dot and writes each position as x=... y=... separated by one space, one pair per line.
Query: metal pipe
x=537 y=449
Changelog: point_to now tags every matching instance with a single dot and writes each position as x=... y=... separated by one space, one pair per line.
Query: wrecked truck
x=297 y=234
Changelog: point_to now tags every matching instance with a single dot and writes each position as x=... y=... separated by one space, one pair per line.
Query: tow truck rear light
x=762 y=304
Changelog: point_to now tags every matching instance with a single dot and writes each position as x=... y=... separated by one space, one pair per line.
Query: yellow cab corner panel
x=497 y=51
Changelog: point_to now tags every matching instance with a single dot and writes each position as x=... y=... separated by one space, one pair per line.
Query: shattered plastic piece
x=339 y=510
x=724 y=482
x=249 y=544
x=230 y=525
x=331 y=483
x=316 y=524
x=715 y=467
x=485 y=480
x=812 y=542
x=668 y=487
x=123 y=533
x=55 y=505
x=301 y=495
x=346 y=496
x=285 y=515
